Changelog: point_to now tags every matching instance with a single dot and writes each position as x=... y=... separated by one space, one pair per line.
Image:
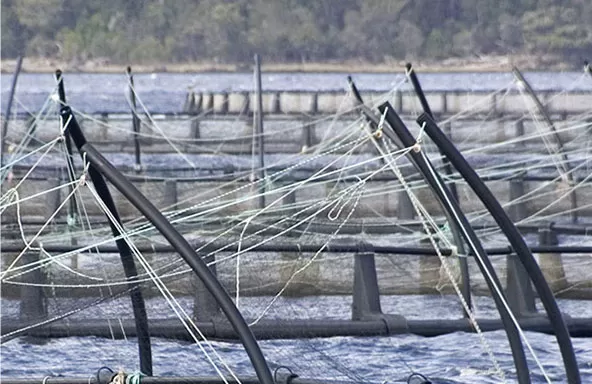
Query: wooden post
x=429 y=271
x=520 y=133
x=17 y=71
x=135 y=121
x=205 y=307
x=259 y=133
x=53 y=198
x=33 y=305
x=405 y=210
x=307 y=136
x=517 y=210
x=399 y=101
x=518 y=286
x=366 y=296
x=552 y=263
x=289 y=200
x=170 y=194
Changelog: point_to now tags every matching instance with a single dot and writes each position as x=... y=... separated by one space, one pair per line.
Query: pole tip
x=58 y=73
x=408 y=66
x=128 y=70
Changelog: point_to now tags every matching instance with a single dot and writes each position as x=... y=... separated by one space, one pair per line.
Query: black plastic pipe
x=127 y=259
x=135 y=120
x=187 y=253
x=17 y=71
x=72 y=206
x=277 y=329
x=564 y=159
x=464 y=266
x=299 y=248
x=515 y=239
x=451 y=206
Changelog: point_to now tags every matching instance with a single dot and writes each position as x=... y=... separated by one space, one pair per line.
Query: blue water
x=458 y=357
x=165 y=92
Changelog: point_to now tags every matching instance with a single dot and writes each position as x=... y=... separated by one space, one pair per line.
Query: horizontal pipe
x=282 y=377
x=290 y=329
x=302 y=248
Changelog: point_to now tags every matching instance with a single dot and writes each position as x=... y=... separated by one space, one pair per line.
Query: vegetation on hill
x=230 y=31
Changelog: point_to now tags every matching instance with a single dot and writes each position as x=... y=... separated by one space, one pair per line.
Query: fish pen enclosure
x=255 y=237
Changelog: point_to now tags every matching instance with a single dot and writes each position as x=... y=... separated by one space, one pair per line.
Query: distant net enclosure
x=310 y=238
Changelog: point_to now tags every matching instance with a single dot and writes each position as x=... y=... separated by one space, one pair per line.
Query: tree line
x=230 y=31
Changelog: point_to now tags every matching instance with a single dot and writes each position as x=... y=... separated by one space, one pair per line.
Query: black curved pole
x=452 y=208
x=178 y=242
x=516 y=240
x=72 y=206
x=565 y=161
x=464 y=266
x=135 y=119
x=129 y=267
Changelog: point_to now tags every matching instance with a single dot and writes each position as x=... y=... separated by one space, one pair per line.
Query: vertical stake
x=17 y=71
x=259 y=132
x=72 y=206
x=518 y=287
x=135 y=120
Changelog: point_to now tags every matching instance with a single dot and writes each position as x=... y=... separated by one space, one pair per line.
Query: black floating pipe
x=298 y=248
x=127 y=260
x=290 y=329
x=464 y=266
x=184 y=249
x=452 y=208
x=310 y=248
x=564 y=160
x=135 y=119
x=17 y=71
x=72 y=206
x=515 y=239
x=105 y=378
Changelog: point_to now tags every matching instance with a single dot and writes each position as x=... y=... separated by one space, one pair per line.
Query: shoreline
x=486 y=64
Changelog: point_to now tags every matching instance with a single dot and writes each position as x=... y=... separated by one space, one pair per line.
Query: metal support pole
x=135 y=120
x=464 y=266
x=400 y=135
x=129 y=266
x=517 y=242
x=259 y=132
x=72 y=206
x=17 y=71
x=100 y=165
